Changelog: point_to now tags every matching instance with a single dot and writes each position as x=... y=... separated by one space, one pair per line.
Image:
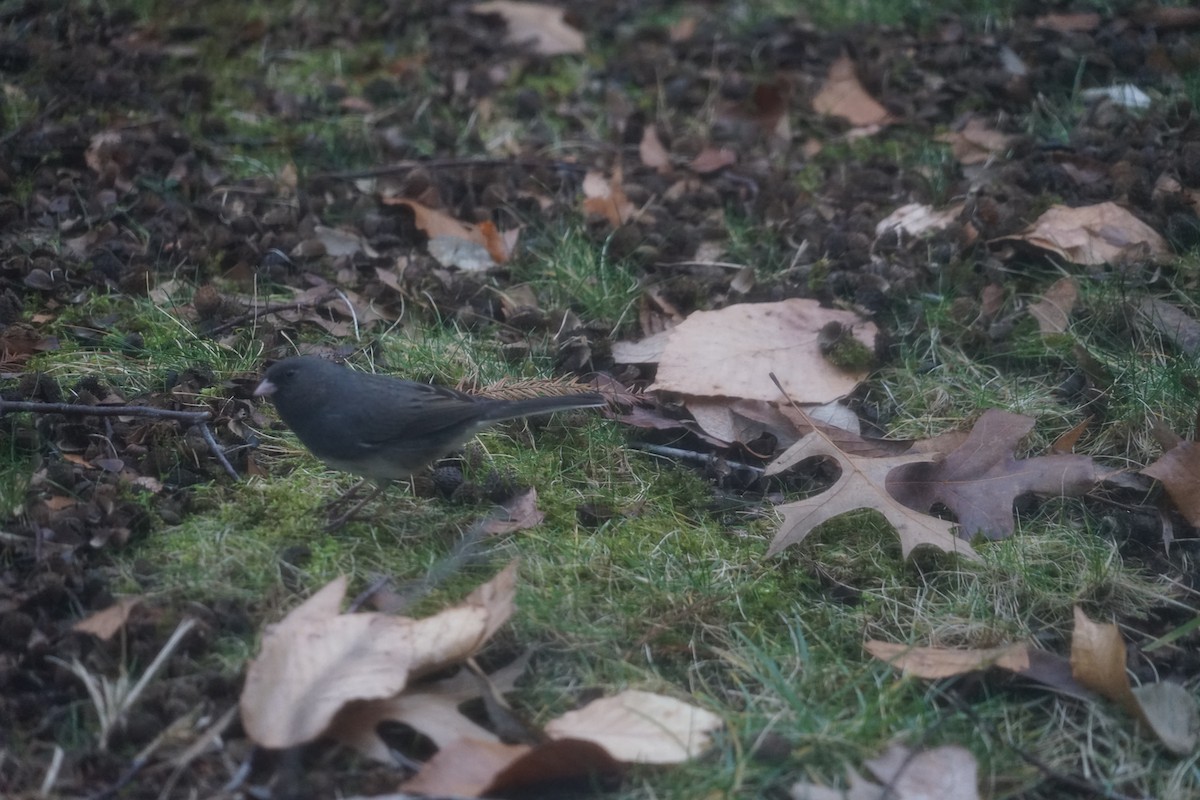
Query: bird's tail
x=500 y=410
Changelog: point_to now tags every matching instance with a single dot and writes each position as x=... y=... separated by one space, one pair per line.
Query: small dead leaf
x=637 y=727
x=518 y=514
x=103 y=624
x=438 y=224
x=652 y=151
x=843 y=96
x=1169 y=710
x=1081 y=22
x=975 y=142
x=1097 y=234
x=469 y=768
x=1098 y=660
x=915 y=219
x=339 y=242
x=1065 y=444
x=712 y=159
x=1179 y=471
x=605 y=199
x=1179 y=327
x=934 y=663
x=541 y=27
x=1053 y=311
x=943 y=773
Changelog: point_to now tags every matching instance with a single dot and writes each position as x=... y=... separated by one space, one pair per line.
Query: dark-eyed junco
x=386 y=428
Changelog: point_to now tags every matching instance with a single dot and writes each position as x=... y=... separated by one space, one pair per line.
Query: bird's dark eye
x=290 y=373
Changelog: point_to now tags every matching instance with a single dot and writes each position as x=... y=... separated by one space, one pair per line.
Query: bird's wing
x=417 y=413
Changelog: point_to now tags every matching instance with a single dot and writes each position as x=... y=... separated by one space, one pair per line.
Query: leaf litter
x=102 y=199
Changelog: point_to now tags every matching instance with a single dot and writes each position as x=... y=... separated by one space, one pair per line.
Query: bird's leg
x=336 y=522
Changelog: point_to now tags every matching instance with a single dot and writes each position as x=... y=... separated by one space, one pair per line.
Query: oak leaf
x=862 y=485
x=981 y=478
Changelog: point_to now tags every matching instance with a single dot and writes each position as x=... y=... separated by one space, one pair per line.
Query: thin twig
x=401 y=167
x=217 y=452
x=199 y=419
x=71 y=409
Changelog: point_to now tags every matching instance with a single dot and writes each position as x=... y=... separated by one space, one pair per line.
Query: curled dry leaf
x=640 y=727
x=316 y=661
x=1100 y=234
x=430 y=708
x=652 y=151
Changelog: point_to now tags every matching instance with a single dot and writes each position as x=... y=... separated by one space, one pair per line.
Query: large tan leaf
x=537 y=25
x=1100 y=234
x=733 y=351
x=316 y=661
x=862 y=485
x=640 y=727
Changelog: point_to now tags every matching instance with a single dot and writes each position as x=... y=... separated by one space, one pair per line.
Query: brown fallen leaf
x=1099 y=234
x=541 y=27
x=1068 y=23
x=944 y=662
x=652 y=151
x=470 y=768
x=1179 y=471
x=843 y=96
x=106 y=622
x=517 y=514
x=712 y=159
x=1171 y=322
x=604 y=198
x=862 y=485
x=316 y=661
x=438 y=225
x=980 y=480
x=975 y=143
x=942 y=773
x=1053 y=311
x=732 y=352
x=431 y=709
x=636 y=727
x=1098 y=662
